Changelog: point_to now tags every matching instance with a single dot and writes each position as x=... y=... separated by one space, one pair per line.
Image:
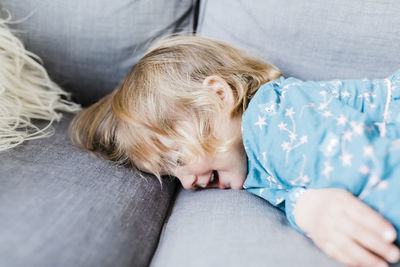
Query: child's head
x=178 y=108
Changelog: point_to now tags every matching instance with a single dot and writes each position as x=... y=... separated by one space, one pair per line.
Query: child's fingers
x=371 y=219
x=335 y=253
x=370 y=240
x=353 y=254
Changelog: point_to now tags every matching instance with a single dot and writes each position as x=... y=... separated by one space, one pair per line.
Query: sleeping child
x=326 y=153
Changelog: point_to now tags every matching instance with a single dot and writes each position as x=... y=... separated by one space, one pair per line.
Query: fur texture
x=26 y=92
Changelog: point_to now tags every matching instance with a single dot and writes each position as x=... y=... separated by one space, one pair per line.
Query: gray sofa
x=60 y=206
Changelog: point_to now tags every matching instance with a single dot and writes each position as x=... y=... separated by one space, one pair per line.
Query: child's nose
x=203 y=180
x=189 y=182
x=196 y=181
x=193 y=181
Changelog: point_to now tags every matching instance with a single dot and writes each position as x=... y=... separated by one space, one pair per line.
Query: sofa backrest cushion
x=89 y=46
x=311 y=39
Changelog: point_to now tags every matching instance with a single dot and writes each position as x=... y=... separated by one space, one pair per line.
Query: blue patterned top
x=340 y=133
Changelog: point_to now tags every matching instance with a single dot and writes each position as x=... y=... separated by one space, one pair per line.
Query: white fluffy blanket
x=26 y=93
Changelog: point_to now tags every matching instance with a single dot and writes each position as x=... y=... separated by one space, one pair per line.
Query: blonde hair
x=145 y=121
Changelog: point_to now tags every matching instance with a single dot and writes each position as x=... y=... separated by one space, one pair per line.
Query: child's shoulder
x=277 y=88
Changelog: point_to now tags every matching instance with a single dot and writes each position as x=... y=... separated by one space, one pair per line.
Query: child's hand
x=345 y=228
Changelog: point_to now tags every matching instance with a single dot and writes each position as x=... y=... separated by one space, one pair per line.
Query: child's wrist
x=303 y=212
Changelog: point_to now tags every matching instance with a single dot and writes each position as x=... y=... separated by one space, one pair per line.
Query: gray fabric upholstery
x=89 y=46
x=60 y=206
x=312 y=39
x=306 y=39
x=232 y=228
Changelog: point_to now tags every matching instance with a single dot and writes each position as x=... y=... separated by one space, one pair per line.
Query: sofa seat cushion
x=232 y=228
x=61 y=206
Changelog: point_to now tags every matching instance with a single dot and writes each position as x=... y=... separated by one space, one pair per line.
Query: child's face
x=223 y=170
x=226 y=169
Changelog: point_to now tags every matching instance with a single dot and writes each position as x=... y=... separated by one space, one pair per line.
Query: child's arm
x=345 y=228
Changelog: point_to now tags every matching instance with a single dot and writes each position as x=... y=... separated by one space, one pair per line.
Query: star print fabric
x=301 y=135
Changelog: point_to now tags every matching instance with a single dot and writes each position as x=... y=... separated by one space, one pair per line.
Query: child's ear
x=221 y=88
